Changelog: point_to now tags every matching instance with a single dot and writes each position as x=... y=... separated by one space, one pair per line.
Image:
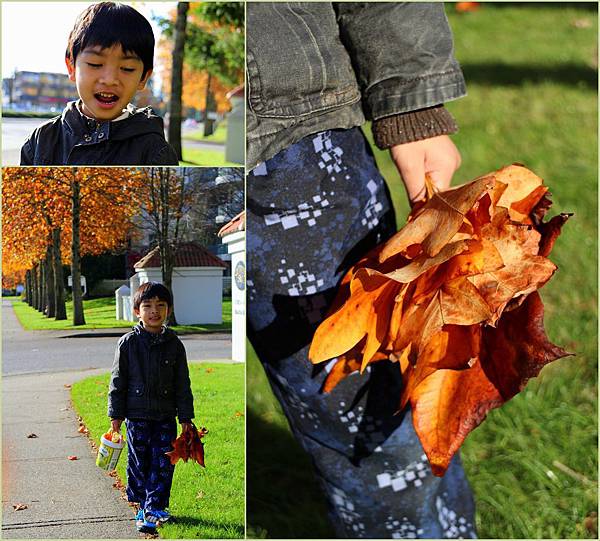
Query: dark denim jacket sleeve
x=117 y=389
x=402 y=54
x=183 y=386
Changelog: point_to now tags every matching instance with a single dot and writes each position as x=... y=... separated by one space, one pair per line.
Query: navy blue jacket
x=74 y=139
x=150 y=378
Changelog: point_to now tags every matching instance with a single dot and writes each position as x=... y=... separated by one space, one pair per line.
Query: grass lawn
x=531 y=77
x=219 y=135
x=205 y=158
x=207 y=503
x=100 y=314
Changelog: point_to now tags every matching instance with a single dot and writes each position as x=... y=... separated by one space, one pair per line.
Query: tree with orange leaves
x=43 y=206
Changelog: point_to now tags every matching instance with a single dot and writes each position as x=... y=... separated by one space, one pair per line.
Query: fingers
x=436 y=156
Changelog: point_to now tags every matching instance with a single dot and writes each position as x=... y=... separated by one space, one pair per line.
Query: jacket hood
x=141 y=121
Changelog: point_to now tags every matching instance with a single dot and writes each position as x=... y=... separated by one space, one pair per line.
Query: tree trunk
x=208 y=124
x=59 y=290
x=43 y=278
x=78 y=316
x=28 y=287
x=177 y=78
x=34 y=287
x=50 y=300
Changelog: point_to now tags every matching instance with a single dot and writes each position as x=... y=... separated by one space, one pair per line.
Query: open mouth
x=106 y=98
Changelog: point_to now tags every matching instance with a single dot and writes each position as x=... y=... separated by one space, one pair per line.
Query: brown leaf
x=446 y=406
x=518 y=348
x=439 y=220
x=452 y=298
x=19 y=506
x=343 y=329
x=72 y=457
x=32 y=435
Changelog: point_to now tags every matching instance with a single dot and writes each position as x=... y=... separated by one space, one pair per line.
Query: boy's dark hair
x=149 y=290
x=106 y=24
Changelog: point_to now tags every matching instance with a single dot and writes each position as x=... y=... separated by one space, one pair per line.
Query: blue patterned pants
x=149 y=470
x=312 y=211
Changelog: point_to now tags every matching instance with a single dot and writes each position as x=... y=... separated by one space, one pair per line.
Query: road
x=52 y=351
x=14 y=133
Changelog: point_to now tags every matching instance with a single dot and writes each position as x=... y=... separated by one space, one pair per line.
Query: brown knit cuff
x=413 y=126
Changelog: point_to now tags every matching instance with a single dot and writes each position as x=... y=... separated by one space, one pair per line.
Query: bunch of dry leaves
x=452 y=298
x=189 y=446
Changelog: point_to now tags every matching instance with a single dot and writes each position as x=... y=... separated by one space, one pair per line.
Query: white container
x=109 y=453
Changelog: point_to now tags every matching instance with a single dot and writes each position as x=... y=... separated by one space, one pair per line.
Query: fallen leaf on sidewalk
x=67 y=385
x=32 y=435
x=82 y=429
x=19 y=506
x=72 y=457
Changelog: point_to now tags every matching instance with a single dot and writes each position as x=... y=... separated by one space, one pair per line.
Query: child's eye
x=93 y=65
x=128 y=70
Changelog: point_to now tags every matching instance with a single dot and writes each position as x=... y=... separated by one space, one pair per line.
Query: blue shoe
x=147 y=522
x=163 y=515
x=139 y=520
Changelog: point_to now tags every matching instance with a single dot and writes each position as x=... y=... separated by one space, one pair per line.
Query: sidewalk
x=64 y=498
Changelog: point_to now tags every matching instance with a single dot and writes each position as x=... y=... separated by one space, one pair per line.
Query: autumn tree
x=90 y=206
x=214 y=54
x=175 y=116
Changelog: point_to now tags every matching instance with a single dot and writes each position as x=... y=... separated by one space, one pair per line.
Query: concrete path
x=64 y=498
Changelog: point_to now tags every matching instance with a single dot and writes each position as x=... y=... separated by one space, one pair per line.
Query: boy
x=149 y=386
x=109 y=57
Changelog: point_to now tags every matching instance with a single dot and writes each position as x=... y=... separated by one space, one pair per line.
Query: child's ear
x=70 y=68
x=144 y=80
x=136 y=311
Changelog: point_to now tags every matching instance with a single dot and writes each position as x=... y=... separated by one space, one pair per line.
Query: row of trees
x=52 y=216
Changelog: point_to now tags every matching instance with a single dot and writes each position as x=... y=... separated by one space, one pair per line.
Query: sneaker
x=139 y=519
x=163 y=515
x=148 y=523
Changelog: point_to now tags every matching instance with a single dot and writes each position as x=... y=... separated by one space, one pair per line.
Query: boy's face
x=152 y=313
x=106 y=79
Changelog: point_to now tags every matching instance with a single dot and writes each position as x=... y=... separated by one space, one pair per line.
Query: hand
x=115 y=425
x=186 y=427
x=437 y=156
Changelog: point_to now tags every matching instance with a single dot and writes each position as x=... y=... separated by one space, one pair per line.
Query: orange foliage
x=189 y=446
x=37 y=200
x=452 y=298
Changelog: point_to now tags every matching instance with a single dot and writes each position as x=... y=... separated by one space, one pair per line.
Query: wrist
x=413 y=126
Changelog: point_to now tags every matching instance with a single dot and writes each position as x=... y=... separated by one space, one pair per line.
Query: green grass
x=219 y=135
x=205 y=158
x=207 y=503
x=100 y=314
x=531 y=79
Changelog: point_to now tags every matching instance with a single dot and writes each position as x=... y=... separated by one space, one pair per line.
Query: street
x=26 y=352
x=14 y=133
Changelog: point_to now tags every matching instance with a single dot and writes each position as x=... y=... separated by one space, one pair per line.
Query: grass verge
x=219 y=135
x=206 y=503
x=100 y=314
x=205 y=158
x=531 y=75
